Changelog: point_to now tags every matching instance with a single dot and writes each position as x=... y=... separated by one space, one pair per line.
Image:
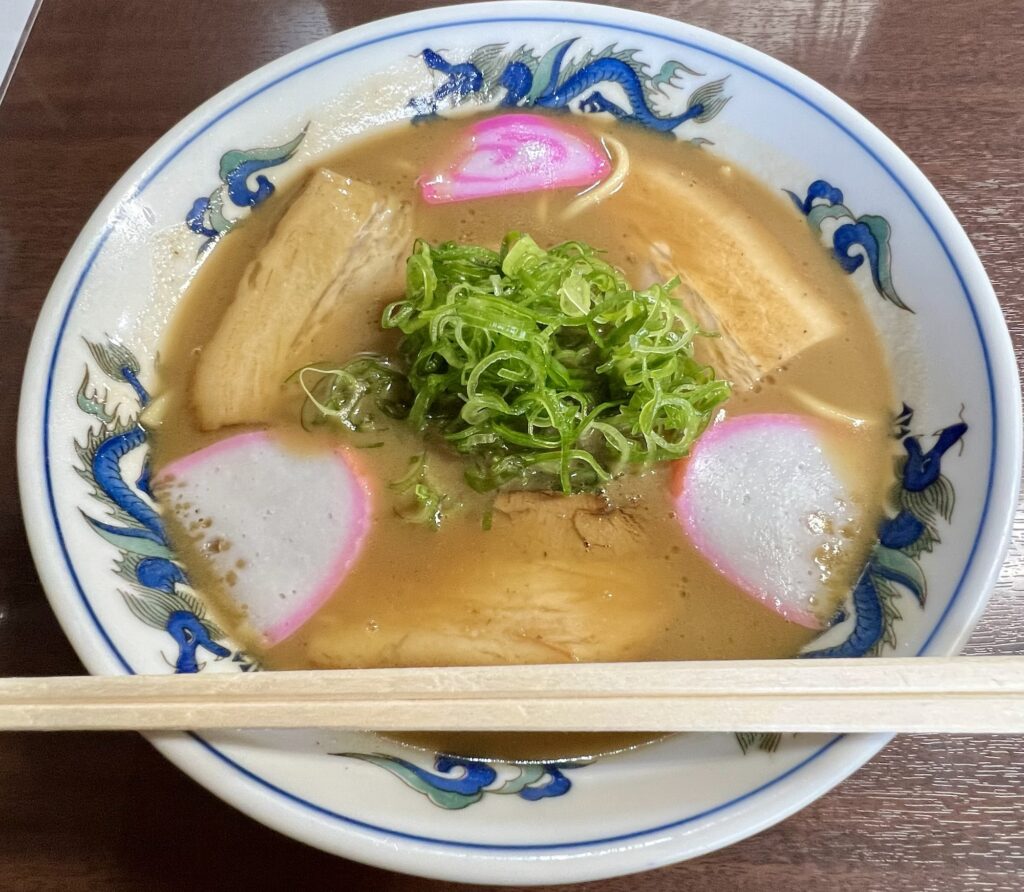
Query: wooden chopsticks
x=957 y=695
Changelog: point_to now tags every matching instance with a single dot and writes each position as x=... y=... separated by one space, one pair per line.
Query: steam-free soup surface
x=594 y=577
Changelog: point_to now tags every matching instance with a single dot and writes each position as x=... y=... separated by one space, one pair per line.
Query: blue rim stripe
x=155 y=171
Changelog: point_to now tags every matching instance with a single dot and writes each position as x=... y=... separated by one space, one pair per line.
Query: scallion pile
x=545 y=368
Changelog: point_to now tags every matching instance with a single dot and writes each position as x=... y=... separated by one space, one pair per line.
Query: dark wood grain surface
x=100 y=81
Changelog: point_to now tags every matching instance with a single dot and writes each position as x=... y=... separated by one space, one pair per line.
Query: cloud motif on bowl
x=206 y=217
x=457 y=783
x=869 y=232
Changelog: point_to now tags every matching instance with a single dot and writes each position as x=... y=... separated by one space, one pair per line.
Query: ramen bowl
x=107 y=568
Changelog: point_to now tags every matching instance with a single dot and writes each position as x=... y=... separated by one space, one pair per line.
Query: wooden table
x=100 y=81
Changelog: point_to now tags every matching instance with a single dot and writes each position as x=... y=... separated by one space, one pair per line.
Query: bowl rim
x=257 y=797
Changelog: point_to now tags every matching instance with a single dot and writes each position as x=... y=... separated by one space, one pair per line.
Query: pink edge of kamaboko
x=281 y=528
x=749 y=487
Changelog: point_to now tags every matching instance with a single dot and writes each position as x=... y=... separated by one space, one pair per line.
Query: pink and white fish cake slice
x=515 y=153
x=280 y=529
x=762 y=501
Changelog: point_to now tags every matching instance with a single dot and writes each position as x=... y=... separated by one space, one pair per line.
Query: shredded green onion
x=544 y=367
x=425 y=503
x=354 y=395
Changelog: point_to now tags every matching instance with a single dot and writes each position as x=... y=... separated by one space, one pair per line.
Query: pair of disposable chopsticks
x=958 y=695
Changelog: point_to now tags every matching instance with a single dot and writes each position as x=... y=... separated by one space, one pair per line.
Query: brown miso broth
x=552 y=580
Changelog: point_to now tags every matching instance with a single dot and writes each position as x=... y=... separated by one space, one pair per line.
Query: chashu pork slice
x=336 y=255
x=575 y=605
x=744 y=283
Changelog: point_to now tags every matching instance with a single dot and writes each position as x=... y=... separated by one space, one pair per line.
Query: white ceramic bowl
x=112 y=584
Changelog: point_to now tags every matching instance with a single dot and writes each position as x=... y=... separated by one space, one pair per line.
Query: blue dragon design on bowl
x=551 y=81
x=160 y=595
x=921 y=495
